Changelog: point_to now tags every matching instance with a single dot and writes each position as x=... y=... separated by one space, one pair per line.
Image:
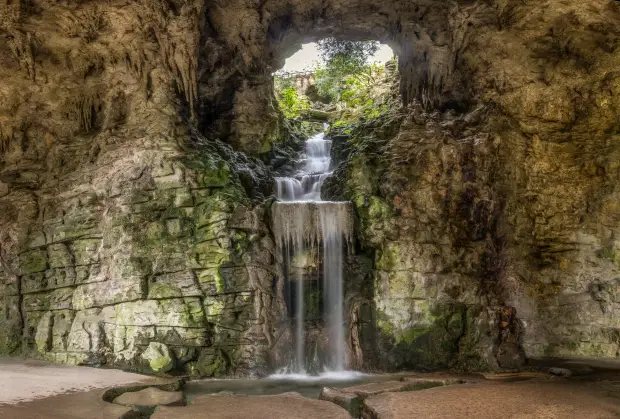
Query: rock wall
x=492 y=245
x=123 y=231
x=126 y=238
x=146 y=248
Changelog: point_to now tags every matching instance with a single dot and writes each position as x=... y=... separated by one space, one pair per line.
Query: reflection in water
x=307 y=386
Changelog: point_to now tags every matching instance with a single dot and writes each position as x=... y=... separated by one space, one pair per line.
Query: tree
x=347 y=57
x=343 y=59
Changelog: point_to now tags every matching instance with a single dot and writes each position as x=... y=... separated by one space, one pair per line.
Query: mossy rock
x=210 y=363
x=433 y=343
x=158 y=357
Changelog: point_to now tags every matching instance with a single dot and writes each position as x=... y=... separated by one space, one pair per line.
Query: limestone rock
x=488 y=203
x=351 y=402
x=351 y=398
x=225 y=406
x=158 y=357
x=538 y=399
x=149 y=398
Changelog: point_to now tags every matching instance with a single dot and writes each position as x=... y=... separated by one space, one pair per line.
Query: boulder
x=150 y=397
x=158 y=356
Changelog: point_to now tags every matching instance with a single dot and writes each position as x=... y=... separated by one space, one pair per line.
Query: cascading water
x=303 y=221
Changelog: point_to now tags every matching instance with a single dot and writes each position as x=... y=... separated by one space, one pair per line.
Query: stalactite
x=83 y=110
x=23 y=46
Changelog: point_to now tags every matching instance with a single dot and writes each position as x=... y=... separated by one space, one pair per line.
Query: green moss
x=432 y=341
x=33 y=261
x=409 y=336
x=361 y=179
x=158 y=291
x=210 y=255
x=240 y=241
x=210 y=363
x=214 y=306
x=609 y=253
x=215 y=173
x=10 y=340
x=160 y=363
x=219 y=282
x=388 y=257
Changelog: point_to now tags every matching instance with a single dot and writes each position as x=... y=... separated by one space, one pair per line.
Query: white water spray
x=304 y=221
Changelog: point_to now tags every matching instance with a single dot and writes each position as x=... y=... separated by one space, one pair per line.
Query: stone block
x=183 y=198
x=234 y=279
x=172 y=181
x=61 y=277
x=351 y=402
x=170 y=259
x=208 y=280
x=177 y=312
x=213 y=233
x=34 y=282
x=86 y=332
x=86 y=252
x=101 y=294
x=211 y=255
x=162 y=168
x=62 y=321
x=36 y=239
x=137 y=196
x=88 y=274
x=43 y=336
x=173 y=227
x=33 y=261
x=8 y=285
x=11 y=324
x=178 y=284
x=59 y=299
x=183 y=336
x=229 y=309
x=248 y=220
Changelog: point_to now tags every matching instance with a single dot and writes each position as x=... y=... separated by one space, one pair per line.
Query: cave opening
x=142 y=144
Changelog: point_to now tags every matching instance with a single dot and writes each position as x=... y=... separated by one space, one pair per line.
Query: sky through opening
x=308 y=57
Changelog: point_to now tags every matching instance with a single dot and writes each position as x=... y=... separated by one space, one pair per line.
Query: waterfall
x=303 y=221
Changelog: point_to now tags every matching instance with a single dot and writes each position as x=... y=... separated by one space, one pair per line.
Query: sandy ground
x=24 y=380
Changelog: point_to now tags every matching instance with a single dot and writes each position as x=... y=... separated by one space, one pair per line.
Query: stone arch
x=426 y=37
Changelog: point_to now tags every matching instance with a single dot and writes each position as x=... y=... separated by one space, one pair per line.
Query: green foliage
x=345 y=65
x=292 y=103
x=347 y=57
x=352 y=89
x=328 y=83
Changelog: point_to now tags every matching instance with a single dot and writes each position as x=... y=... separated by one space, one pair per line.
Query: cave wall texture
x=131 y=229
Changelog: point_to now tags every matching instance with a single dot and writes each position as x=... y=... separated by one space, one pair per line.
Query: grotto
x=469 y=223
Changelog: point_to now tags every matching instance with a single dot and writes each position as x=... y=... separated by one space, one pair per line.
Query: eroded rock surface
x=130 y=190
x=352 y=398
x=150 y=398
x=228 y=406
x=515 y=400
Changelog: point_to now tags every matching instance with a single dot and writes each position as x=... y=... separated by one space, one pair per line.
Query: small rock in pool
x=150 y=398
x=562 y=372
